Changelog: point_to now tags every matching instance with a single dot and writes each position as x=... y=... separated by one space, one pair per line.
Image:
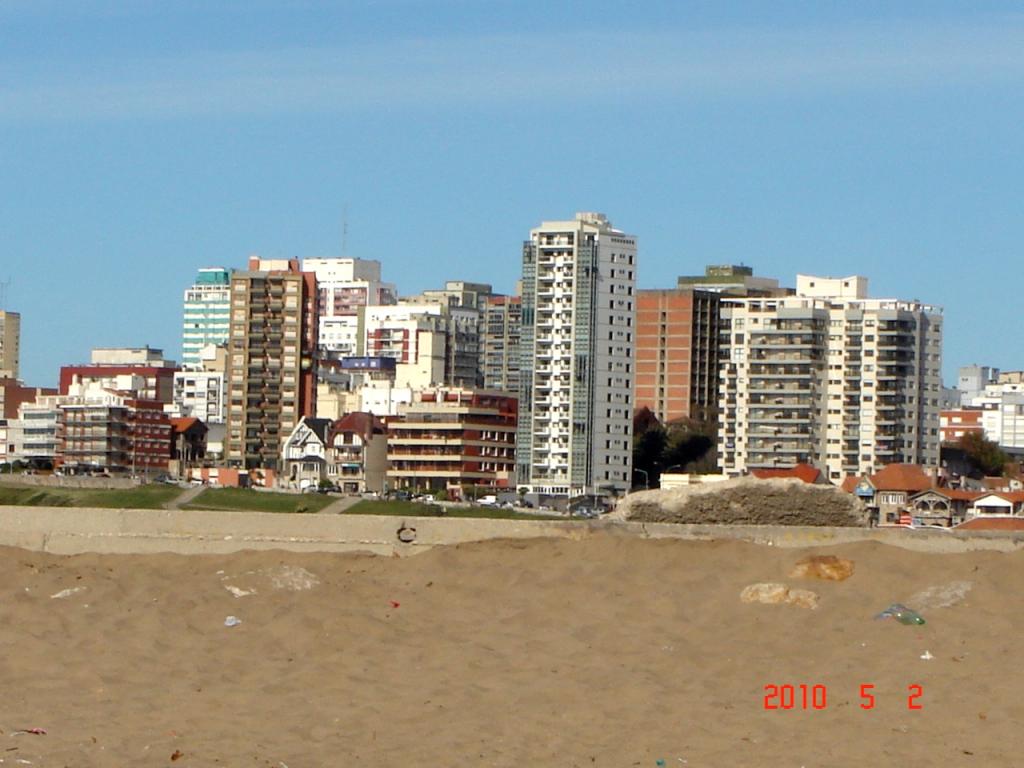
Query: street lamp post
x=646 y=477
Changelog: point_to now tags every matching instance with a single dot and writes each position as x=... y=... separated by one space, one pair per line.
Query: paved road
x=184 y=498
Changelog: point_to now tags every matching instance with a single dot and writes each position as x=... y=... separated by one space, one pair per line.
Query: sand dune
x=603 y=652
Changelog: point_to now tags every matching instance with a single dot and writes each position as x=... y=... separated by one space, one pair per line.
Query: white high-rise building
x=829 y=377
x=577 y=363
x=345 y=285
x=207 y=305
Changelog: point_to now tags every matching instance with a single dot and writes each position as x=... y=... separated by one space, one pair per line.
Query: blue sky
x=142 y=140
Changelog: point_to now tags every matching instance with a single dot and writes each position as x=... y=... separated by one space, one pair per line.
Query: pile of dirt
x=746 y=501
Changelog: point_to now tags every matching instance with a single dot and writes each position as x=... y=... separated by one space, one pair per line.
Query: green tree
x=984 y=454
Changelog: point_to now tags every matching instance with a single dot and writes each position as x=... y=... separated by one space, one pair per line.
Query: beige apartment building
x=447 y=438
x=10 y=339
x=829 y=377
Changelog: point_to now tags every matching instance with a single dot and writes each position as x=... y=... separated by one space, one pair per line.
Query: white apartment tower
x=207 y=304
x=576 y=365
x=829 y=377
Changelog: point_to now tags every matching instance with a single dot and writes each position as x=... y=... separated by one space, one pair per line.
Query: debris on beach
x=942 y=596
x=294 y=578
x=902 y=614
x=66 y=593
x=238 y=591
x=232 y=621
x=825 y=567
x=771 y=593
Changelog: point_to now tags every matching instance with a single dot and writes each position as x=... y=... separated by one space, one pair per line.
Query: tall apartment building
x=206 y=314
x=677 y=340
x=829 y=377
x=432 y=343
x=577 y=364
x=500 y=342
x=271 y=367
x=10 y=340
x=677 y=353
x=346 y=285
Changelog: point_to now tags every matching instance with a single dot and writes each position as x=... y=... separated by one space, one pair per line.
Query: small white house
x=305 y=454
x=999 y=503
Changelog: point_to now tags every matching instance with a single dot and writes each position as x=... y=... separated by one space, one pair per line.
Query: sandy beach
x=609 y=651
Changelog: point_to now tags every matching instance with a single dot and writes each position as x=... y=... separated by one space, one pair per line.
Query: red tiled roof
x=183 y=424
x=992 y=523
x=994 y=483
x=958 y=494
x=360 y=423
x=804 y=472
x=1014 y=497
x=902 y=477
x=850 y=483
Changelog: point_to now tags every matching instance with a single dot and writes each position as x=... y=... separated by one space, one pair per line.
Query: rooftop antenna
x=344 y=230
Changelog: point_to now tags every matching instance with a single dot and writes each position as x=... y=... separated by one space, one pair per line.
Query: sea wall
x=69 y=481
x=68 y=530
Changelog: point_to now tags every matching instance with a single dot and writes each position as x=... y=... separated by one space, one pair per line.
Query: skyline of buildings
x=820 y=373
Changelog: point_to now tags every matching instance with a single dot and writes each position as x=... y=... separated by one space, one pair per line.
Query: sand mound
x=745 y=501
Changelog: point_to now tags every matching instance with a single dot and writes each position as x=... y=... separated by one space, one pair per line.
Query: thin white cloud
x=560 y=68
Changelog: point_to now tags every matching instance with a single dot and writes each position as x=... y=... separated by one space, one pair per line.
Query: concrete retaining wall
x=68 y=481
x=66 y=530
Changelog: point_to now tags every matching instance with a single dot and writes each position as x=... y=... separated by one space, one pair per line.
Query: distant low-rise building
x=349 y=453
x=141 y=371
x=357 y=453
x=954 y=424
x=105 y=431
x=188 y=444
x=447 y=438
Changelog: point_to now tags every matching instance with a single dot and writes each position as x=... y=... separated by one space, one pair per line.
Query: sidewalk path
x=184 y=498
x=338 y=506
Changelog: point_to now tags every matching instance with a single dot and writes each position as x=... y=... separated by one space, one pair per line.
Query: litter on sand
x=232 y=621
x=902 y=614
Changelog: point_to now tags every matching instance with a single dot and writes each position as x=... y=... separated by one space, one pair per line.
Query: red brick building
x=677 y=353
x=954 y=424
